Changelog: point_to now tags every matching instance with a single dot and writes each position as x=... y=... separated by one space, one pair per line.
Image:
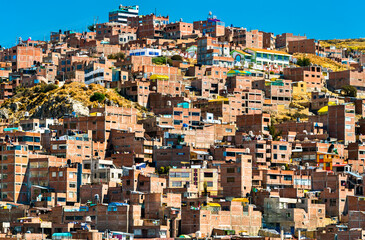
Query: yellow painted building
x=299 y=89
x=326 y=160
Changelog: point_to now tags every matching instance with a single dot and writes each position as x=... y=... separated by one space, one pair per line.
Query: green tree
x=91 y=28
x=274 y=133
x=97 y=97
x=159 y=60
x=205 y=186
x=49 y=87
x=349 y=91
x=177 y=58
x=304 y=62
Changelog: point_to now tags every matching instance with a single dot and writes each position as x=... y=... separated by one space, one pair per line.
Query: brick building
x=283 y=39
x=22 y=56
x=149 y=26
x=312 y=76
x=236 y=178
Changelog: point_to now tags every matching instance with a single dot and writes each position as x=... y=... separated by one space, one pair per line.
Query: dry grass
x=30 y=99
x=354 y=44
x=322 y=61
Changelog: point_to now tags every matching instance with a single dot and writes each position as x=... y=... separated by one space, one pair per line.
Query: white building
x=148 y=52
x=122 y=14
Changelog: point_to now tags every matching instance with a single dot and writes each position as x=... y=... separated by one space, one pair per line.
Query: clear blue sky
x=320 y=19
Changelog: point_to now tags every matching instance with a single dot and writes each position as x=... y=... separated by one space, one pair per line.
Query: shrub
x=118 y=56
x=49 y=87
x=349 y=91
x=159 y=60
x=169 y=61
x=97 y=97
x=304 y=62
x=274 y=133
x=177 y=58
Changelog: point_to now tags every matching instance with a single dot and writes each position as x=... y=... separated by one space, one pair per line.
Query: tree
x=274 y=133
x=97 y=97
x=118 y=56
x=164 y=170
x=49 y=87
x=304 y=62
x=91 y=28
x=349 y=91
x=169 y=61
x=159 y=60
x=205 y=186
x=177 y=58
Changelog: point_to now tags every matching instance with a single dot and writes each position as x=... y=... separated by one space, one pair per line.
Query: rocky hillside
x=352 y=44
x=50 y=101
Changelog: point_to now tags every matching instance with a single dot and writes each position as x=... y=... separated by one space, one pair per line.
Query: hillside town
x=145 y=128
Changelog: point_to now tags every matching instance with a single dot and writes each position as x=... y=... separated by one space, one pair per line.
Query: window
x=333 y=202
x=209 y=184
x=208 y=175
x=282 y=148
x=287 y=178
x=230 y=170
x=70 y=194
x=60 y=174
x=54 y=174
x=176 y=184
x=71 y=175
x=260 y=146
x=230 y=179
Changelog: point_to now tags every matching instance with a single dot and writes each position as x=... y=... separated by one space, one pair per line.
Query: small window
x=230 y=180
